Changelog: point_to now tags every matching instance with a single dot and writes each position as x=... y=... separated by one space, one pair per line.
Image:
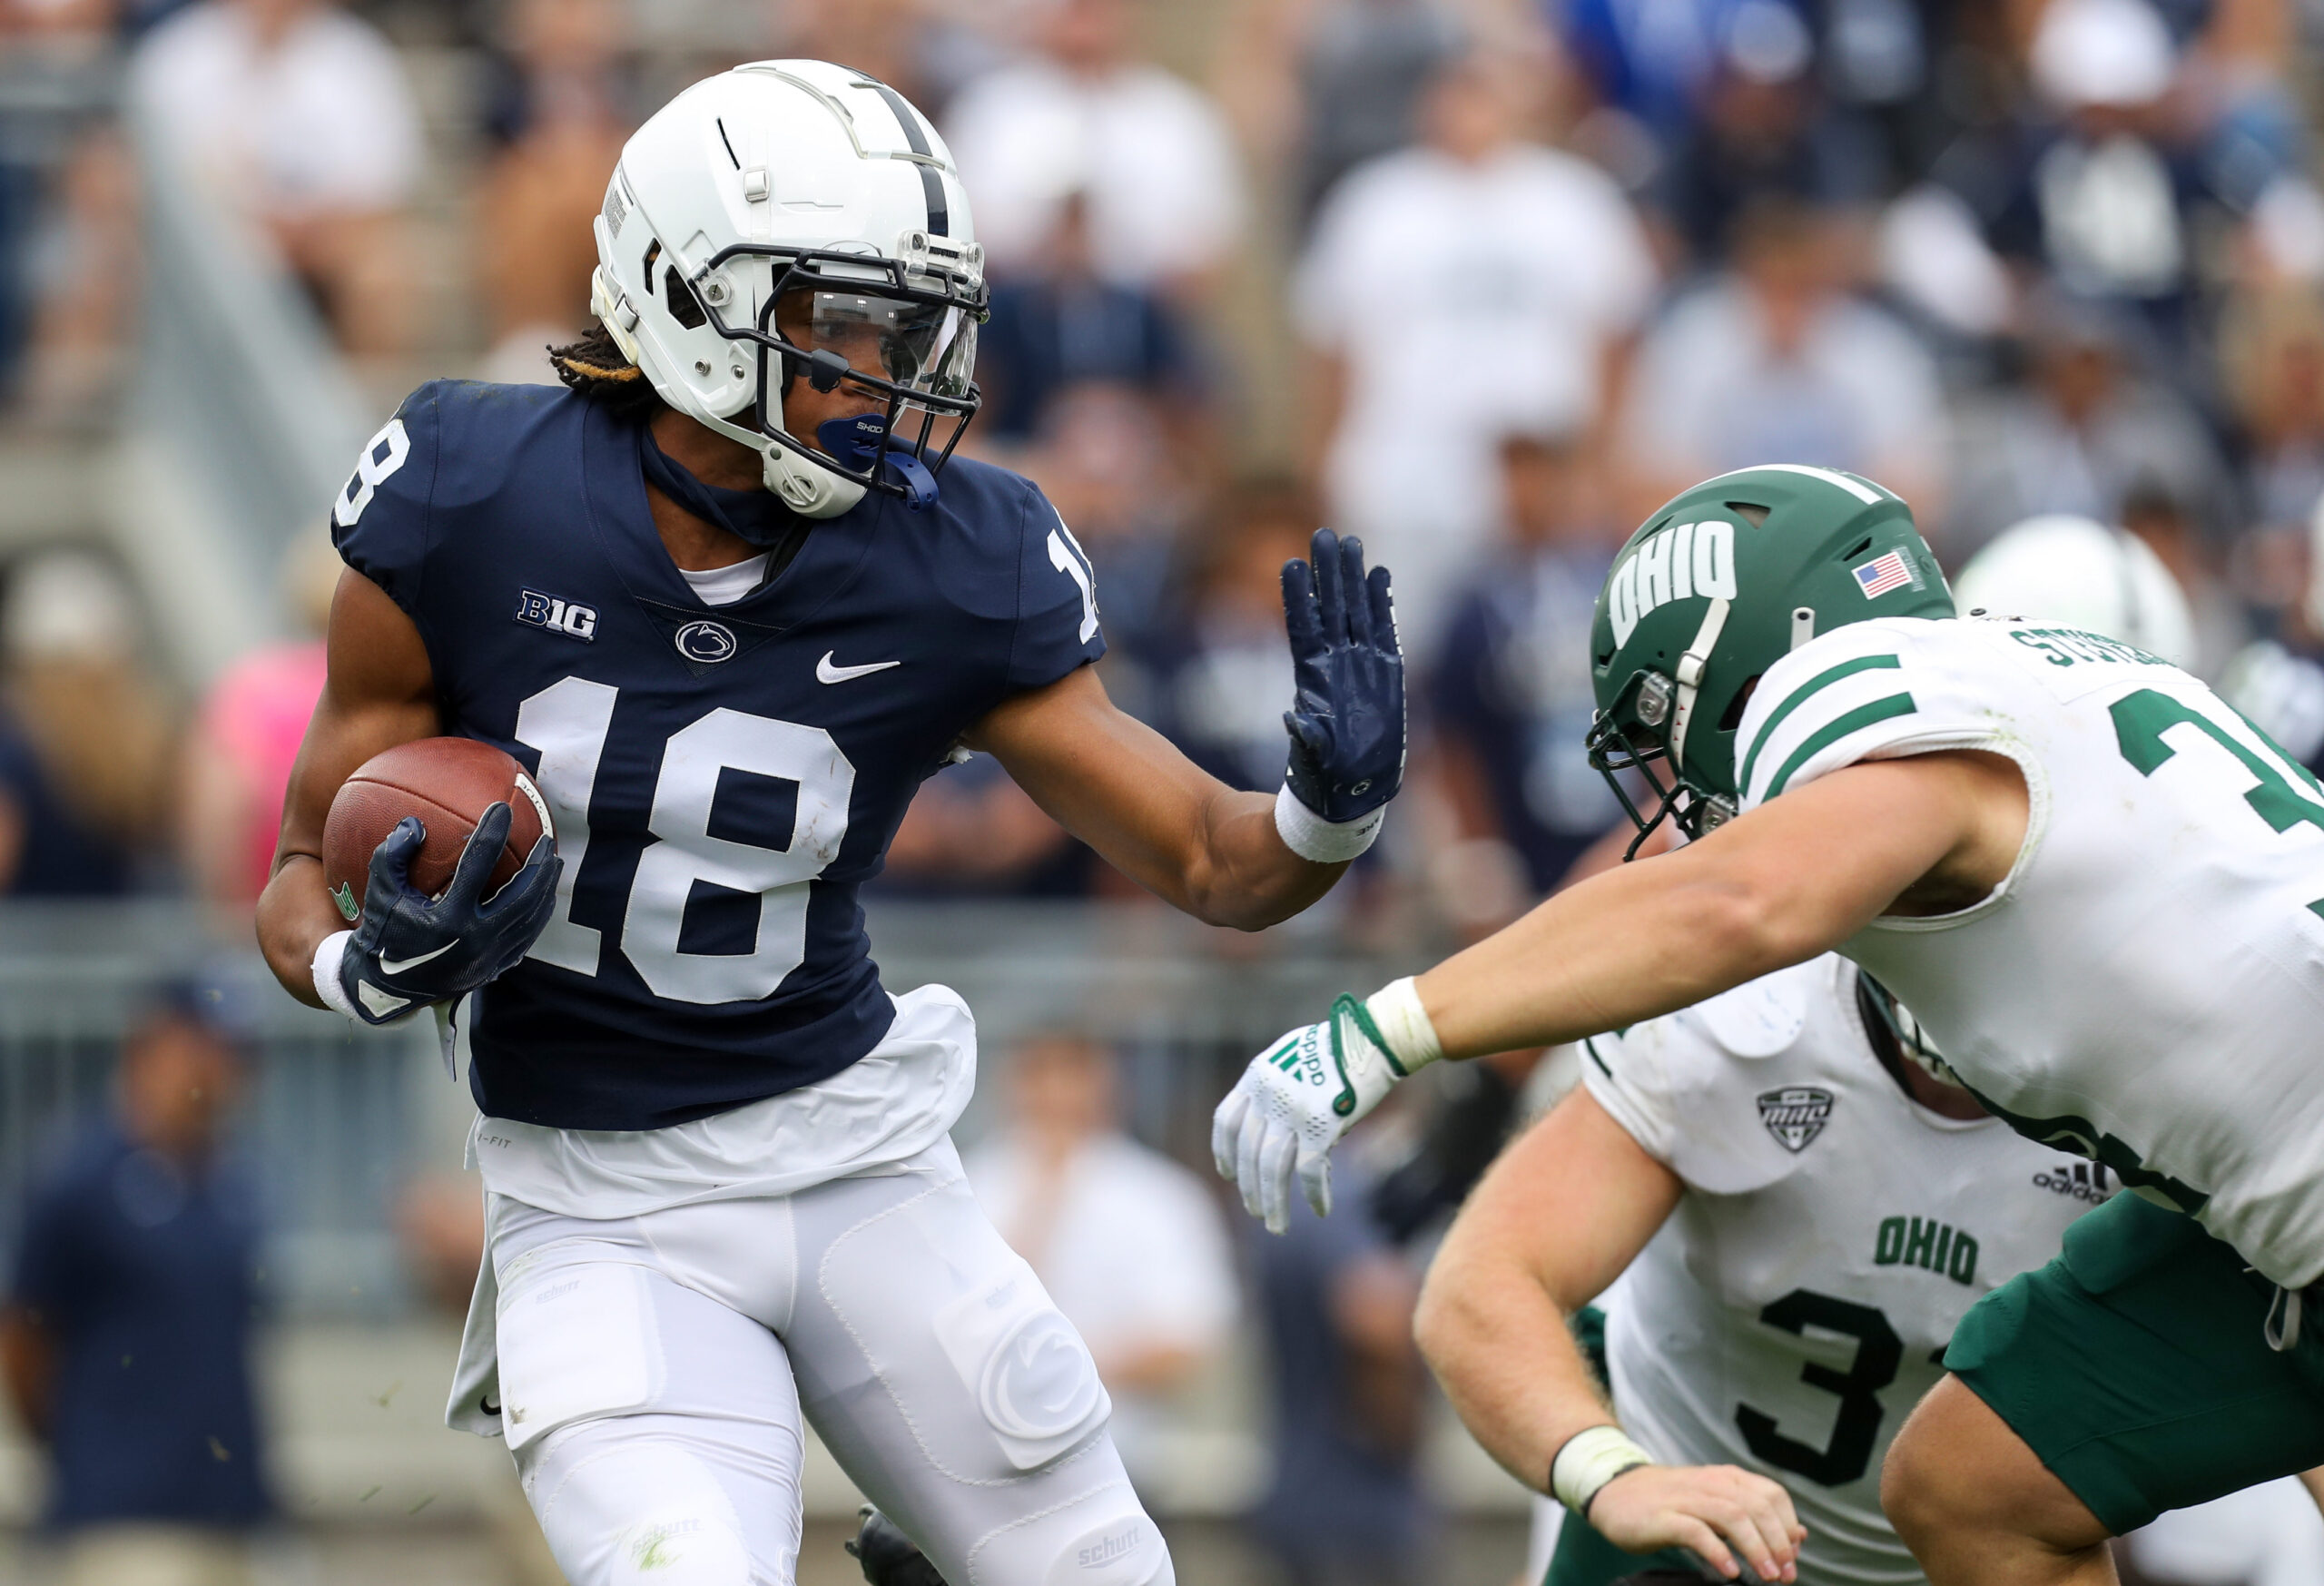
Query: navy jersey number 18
x=722 y=778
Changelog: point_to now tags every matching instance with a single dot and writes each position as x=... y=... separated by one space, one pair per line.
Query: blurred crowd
x=1478 y=280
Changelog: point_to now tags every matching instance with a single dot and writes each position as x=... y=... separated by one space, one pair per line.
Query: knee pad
x=1104 y=1538
x=625 y=1511
x=1125 y=1549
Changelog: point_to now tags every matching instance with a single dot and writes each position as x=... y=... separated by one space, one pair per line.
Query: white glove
x=1304 y=1092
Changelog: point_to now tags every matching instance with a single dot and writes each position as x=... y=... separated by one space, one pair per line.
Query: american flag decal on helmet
x=1884 y=573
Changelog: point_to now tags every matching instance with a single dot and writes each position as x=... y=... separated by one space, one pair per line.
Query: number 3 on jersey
x=1856 y=1424
x=567 y=723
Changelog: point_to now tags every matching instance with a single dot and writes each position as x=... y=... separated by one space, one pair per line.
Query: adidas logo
x=2077 y=1180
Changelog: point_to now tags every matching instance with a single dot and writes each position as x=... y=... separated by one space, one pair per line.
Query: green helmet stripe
x=1879 y=710
x=1799 y=696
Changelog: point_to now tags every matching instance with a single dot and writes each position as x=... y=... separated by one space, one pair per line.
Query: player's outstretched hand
x=1297 y=1098
x=1717 y=1512
x=1347 y=719
x=409 y=949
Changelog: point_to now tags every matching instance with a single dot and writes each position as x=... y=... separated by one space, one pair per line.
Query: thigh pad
x=577 y=1338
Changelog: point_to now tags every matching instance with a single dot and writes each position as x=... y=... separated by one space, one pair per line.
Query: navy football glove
x=409 y=948
x=1347 y=724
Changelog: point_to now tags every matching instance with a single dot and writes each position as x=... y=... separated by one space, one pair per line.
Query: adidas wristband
x=1404 y=1024
x=1318 y=841
x=325 y=969
x=1590 y=1459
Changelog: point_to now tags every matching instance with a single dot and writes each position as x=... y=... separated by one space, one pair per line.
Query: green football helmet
x=1720 y=584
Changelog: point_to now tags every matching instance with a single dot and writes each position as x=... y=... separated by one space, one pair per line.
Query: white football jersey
x=2148 y=982
x=1832 y=1233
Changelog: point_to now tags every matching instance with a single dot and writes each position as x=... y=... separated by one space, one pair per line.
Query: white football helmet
x=2078 y=572
x=798 y=177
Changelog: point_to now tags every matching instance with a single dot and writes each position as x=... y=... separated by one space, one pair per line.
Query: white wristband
x=1588 y=1460
x=1405 y=1024
x=325 y=969
x=1313 y=837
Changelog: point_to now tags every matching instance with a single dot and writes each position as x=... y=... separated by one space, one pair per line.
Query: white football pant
x=653 y=1370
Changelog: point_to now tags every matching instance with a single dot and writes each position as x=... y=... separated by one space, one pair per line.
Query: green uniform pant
x=2136 y=1368
x=1584 y=1557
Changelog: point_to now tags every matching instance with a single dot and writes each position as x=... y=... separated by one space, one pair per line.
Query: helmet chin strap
x=808 y=488
x=805 y=487
x=1690 y=674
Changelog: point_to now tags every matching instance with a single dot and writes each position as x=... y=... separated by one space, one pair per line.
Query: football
x=448 y=783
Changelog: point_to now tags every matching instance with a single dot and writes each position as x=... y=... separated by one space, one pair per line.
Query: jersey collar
x=614 y=489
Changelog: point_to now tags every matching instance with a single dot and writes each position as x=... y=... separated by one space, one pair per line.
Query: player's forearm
x=294 y=914
x=1503 y=1350
x=1131 y=794
x=1632 y=944
x=1649 y=939
x=1241 y=873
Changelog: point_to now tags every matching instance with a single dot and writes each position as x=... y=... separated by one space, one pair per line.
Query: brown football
x=448 y=783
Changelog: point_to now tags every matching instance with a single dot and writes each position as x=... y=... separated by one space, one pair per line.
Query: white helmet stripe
x=1861 y=489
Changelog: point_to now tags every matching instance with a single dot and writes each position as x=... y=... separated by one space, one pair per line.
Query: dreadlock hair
x=596 y=367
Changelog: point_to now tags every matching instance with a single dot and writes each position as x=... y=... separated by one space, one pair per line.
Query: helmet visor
x=925 y=348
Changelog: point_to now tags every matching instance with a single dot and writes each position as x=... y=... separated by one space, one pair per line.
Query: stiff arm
x=1164 y=821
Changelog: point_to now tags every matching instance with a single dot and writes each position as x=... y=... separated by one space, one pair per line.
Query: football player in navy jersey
x=729 y=603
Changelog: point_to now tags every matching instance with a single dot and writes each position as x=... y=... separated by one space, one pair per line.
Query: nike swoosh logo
x=382 y=1003
x=391 y=966
x=827 y=673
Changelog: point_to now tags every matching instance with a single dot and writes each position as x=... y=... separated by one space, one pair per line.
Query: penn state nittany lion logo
x=1796 y=1114
x=707 y=642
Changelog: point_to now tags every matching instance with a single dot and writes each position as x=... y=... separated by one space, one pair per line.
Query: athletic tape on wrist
x=325 y=969
x=1588 y=1460
x=1404 y=1024
x=1321 y=842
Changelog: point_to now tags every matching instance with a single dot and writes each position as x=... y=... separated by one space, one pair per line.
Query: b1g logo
x=561 y=616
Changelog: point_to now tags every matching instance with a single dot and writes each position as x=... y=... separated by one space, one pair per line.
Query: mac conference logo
x=707 y=643
x=1796 y=1114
